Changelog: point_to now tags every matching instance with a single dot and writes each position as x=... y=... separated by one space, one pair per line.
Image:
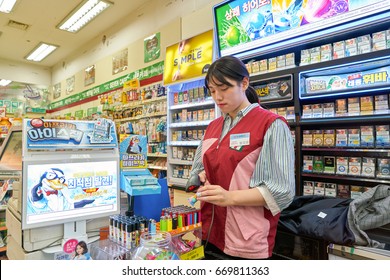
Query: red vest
x=242 y=231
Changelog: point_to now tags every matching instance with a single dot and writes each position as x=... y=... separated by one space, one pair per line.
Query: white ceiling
x=43 y=16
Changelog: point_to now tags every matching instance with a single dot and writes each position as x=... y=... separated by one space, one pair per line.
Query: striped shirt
x=274 y=171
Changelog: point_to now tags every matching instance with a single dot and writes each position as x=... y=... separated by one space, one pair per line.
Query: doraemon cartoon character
x=134 y=147
x=52 y=193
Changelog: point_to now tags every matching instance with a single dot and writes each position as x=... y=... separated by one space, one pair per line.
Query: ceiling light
x=4 y=83
x=84 y=13
x=41 y=51
x=7 y=5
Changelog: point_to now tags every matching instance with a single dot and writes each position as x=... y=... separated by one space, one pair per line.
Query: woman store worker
x=246 y=163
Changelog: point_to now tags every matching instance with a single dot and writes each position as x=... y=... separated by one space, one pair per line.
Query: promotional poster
x=188 y=59
x=64 y=190
x=242 y=25
x=59 y=134
x=133 y=152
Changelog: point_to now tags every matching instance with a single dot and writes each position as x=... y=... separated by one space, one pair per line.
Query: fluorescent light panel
x=41 y=51
x=7 y=5
x=85 y=12
x=4 y=82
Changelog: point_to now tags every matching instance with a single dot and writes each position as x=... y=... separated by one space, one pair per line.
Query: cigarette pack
x=367 y=136
x=318 y=138
x=341 y=137
x=330 y=189
x=351 y=47
x=338 y=49
x=305 y=57
x=328 y=110
x=379 y=41
x=282 y=111
x=307 y=138
x=318 y=164
x=290 y=113
x=354 y=166
x=368 y=167
x=329 y=137
x=317 y=110
x=366 y=105
x=272 y=64
x=329 y=164
x=290 y=60
x=382 y=136
x=281 y=61
x=341 y=107
x=308 y=187
x=343 y=191
x=319 y=188
x=364 y=44
x=354 y=137
x=356 y=191
x=307 y=164
x=255 y=66
x=315 y=55
x=326 y=52
x=353 y=106
x=263 y=65
x=381 y=104
x=307 y=112
x=383 y=168
x=342 y=165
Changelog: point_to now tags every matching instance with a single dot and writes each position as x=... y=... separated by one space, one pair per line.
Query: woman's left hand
x=214 y=194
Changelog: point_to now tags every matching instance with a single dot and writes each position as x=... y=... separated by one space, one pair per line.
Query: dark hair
x=232 y=68
x=83 y=245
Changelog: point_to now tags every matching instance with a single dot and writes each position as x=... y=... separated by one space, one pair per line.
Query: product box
x=305 y=57
x=307 y=164
x=368 y=167
x=290 y=60
x=379 y=41
x=330 y=189
x=315 y=55
x=382 y=136
x=307 y=112
x=308 y=187
x=341 y=107
x=328 y=110
x=263 y=65
x=317 y=110
x=366 y=105
x=341 y=137
x=329 y=164
x=338 y=49
x=354 y=166
x=356 y=191
x=319 y=188
x=281 y=62
x=367 y=136
x=326 y=52
x=249 y=67
x=318 y=138
x=364 y=44
x=342 y=165
x=290 y=113
x=282 y=112
x=388 y=39
x=354 y=137
x=381 y=104
x=329 y=137
x=318 y=164
x=272 y=64
x=353 y=106
x=343 y=191
x=307 y=138
x=351 y=47
x=383 y=168
x=255 y=67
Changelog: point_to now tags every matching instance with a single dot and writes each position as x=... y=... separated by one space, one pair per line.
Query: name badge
x=238 y=141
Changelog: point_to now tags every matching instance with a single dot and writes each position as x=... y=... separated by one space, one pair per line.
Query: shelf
x=180 y=161
x=347 y=150
x=184 y=143
x=360 y=120
x=192 y=105
x=190 y=124
x=346 y=177
x=177 y=181
x=156 y=167
x=155 y=115
x=157 y=155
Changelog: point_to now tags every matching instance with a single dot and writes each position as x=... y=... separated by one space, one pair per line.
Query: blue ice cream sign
x=61 y=134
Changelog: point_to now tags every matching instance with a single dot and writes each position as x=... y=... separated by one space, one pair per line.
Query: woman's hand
x=214 y=194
